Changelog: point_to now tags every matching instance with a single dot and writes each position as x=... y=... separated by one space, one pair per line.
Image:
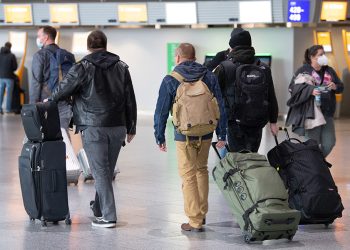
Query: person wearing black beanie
x=240 y=37
x=243 y=132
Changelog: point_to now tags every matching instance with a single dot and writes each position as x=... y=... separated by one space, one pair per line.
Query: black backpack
x=249 y=91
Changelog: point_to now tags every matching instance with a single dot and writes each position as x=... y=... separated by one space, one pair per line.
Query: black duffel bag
x=306 y=175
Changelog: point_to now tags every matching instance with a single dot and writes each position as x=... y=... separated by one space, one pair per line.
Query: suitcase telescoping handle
x=287 y=135
x=213 y=144
x=285 y=130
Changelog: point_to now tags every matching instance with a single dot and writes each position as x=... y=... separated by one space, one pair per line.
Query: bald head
x=185 y=52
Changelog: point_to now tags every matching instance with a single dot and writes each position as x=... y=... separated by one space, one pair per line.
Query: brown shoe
x=188 y=227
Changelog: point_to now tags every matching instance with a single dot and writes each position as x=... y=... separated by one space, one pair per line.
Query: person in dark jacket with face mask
x=242 y=137
x=41 y=71
x=104 y=111
x=8 y=64
x=326 y=84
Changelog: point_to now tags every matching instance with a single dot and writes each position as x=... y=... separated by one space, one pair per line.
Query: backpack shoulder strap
x=229 y=67
x=177 y=76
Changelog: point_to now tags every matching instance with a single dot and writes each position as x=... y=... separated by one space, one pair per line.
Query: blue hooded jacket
x=191 y=71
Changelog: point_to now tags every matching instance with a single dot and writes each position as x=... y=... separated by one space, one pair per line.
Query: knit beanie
x=240 y=37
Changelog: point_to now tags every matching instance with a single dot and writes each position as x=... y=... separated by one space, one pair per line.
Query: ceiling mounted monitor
x=333 y=11
x=64 y=13
x=181 y=13
x=324 y=39
x=298 y=11
x=18 y=13
x=255 y=12
x=129 y=13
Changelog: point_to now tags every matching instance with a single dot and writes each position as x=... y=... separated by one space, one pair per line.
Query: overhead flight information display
x=255 y=12
x=333 y=11
x=181 y=13
x=132 y=13
x=64 y=13
x=18 y=13
x=298 y=11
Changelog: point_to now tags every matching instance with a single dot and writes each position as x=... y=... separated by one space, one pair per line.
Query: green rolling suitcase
x=257 y=197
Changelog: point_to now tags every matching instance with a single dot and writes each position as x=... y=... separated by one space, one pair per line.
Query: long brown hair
x=312 y=51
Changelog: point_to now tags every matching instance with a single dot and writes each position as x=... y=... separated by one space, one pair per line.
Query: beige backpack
x=195 y=110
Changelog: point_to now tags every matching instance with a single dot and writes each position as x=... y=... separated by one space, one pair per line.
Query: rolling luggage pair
x=85 y=167
x=42 y=165
x=257 y=196
x=306 y=175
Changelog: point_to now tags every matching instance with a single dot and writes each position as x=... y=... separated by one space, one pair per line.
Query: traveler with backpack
x=8 y=64
x=50 y=64
x=193 y=95
x=247 y=88
x=312 y=103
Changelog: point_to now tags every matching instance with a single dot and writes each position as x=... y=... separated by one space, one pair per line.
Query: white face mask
x=322 y=60
x=39 y=44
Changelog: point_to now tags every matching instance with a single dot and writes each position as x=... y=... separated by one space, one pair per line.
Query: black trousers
x=243 y=138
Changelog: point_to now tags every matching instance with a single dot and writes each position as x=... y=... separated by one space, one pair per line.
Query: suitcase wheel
x=68 y=221
x=113 y=177
x=55 y=222
x=326 y=225
x=43 y=223
x=31 y=219
x=290 y=237
x=246 y=238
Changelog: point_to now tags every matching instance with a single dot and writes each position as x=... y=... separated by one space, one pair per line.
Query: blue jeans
x=324 y=135
x=8 y=83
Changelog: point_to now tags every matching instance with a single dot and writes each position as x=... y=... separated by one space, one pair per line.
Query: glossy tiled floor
x=149 y=203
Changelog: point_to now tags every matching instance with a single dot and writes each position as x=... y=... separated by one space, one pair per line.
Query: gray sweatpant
x=102 y=146
x=324 y=135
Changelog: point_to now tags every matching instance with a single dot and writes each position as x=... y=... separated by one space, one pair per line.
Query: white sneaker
x=100 y=222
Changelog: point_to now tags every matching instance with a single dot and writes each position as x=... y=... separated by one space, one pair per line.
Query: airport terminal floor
x=150 y=204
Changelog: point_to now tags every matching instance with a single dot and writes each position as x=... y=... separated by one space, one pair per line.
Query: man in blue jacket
x=192 y=152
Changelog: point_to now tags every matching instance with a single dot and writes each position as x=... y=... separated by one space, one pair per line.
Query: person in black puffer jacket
x=316 y=65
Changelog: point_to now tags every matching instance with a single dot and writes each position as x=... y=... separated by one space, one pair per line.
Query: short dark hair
x=97 y=40
x=50 y=31
x=8 y=45
x=312 y=51
x=186 y=51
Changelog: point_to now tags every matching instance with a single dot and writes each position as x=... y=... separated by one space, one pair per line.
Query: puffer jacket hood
x=102 y=59
x=191 y=70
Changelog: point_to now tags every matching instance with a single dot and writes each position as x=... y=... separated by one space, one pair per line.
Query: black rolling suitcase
x=42 y=171
x=41 y=122
x=306 y=175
